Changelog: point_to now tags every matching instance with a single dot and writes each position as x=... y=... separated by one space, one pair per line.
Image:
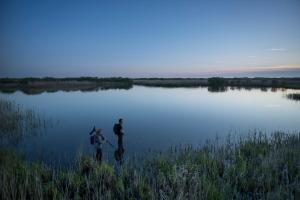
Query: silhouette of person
x=99 y=140
x=118 y=129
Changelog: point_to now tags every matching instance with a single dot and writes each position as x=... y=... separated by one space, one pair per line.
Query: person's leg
x=100 y=157
x=120 y=142
x=99 y=154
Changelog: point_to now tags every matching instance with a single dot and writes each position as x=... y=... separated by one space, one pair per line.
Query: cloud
x=277 y=49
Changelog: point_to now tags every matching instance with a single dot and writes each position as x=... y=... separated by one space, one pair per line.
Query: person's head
x=98 y=131
x=120 y=121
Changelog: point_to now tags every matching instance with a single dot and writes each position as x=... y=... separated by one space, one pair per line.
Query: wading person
x=118 y=130
x=97 y=140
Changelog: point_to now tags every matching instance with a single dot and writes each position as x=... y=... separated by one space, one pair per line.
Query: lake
x=154 y=118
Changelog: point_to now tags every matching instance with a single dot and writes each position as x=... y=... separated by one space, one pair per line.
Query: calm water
x=154 y=118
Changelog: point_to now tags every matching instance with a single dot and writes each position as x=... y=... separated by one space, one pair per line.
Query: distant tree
x=217 y=81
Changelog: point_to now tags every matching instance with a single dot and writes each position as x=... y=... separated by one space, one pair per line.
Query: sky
x=150 y=38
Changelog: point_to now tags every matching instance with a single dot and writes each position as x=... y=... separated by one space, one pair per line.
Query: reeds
x=252 y=167
x=17 y=122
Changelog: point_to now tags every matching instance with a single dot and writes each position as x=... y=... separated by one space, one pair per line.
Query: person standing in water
x=119 y=152
x=118 y=130
x=97 y=140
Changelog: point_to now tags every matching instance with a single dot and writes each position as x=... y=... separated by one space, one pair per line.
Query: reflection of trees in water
x=226 y=88
x=33 y=91
x=17 y=123
x=264 y=89
x=217 y=89
x=294 y=96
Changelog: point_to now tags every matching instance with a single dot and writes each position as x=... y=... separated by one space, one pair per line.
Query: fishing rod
x=110 y=143
x=94 y=129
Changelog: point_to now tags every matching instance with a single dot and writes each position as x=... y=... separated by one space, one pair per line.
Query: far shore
x=288 y=83
x=49 y=84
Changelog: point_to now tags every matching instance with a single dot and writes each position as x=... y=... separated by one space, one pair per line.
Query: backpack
x=92 y=139
x=116 y=129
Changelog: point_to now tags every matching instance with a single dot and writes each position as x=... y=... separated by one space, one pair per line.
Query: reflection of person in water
x=119 y=152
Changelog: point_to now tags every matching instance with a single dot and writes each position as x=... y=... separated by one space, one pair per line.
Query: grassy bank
x=253 y=167
x=293 y=83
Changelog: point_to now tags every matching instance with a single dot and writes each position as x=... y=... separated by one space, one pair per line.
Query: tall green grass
x=253 y=167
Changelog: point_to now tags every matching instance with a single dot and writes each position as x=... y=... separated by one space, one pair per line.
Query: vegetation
x=294 y=96
x=51 y=79
x=255 y=167
x=17 y=122
x=215 y=82
x=49 y=84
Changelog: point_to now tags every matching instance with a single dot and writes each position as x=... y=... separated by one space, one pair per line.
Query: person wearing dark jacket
x=118 y=129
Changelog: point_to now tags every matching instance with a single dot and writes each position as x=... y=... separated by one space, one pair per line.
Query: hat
x=98 y=130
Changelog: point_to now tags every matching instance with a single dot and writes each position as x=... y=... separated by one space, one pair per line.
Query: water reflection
x=214 y=88
x=35 y=91
x=156 y=118
x=119 y=154
x=263 y=89
x=232 y=88
x=294 y=96
x=217 y=89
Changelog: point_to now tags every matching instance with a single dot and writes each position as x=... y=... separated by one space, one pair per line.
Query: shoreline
x=288 y=83
x=40 y=85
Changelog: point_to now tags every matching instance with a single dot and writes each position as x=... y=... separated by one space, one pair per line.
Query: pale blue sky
x=150 y=38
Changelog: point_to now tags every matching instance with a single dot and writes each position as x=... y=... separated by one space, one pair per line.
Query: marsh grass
x=16 y=123
x=251 y=167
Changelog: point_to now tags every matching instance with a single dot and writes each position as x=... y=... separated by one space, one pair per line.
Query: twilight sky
x=150 y=38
